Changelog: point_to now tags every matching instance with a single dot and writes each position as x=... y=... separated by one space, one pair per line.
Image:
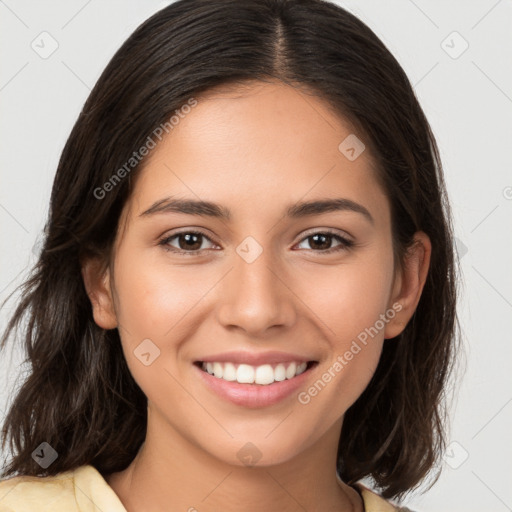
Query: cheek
x=153 y=297
x=349 y=298
x=158 y=302
x=155 y=303
x=349 y=303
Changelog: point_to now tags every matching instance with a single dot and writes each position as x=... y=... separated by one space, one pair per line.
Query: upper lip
x=255 y=358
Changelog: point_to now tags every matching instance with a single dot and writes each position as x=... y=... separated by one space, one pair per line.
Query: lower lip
x=254 y=395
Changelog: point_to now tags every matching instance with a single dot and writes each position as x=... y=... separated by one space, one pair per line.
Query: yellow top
x=85 y=490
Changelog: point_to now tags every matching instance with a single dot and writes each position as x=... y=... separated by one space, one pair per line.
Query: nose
x=256 y=296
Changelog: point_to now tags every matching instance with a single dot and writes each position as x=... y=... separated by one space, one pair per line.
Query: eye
x=324 y=238
x=189 y=242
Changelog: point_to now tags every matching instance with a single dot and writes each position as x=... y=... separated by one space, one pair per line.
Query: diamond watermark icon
x=249 y=454
x=44 y=455
x=249 y=249
x=146 y=352
x=454 y=45
x=455 y=455
x=44 y=45
x=351 y=147
x=461 y=248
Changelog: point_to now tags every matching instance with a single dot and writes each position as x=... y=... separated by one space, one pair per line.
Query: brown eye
x=187 y=242
x=322 y=242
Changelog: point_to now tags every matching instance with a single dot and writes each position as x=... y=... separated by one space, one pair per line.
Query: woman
x=192 y=347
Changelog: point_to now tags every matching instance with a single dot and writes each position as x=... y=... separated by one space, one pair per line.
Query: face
x=269 y=283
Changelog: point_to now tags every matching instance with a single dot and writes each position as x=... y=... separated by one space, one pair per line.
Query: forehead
x=260 y=143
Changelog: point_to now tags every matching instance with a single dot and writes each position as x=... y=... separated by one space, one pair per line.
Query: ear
x=97 y=285
x=409 y=283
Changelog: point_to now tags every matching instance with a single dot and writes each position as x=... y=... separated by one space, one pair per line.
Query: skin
x=255 y=151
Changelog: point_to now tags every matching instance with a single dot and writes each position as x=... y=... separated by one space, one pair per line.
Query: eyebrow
x=294 y=211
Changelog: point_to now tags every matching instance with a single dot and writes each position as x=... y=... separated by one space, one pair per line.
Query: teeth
x=247 y=374
x=229 y=372
x=218 y=370
x=264 y=374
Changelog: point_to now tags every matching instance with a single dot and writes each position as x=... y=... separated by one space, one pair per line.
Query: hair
x=79 y=395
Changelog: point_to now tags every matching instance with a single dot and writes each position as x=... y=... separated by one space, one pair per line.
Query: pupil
x=190 y=243
x=324 y=237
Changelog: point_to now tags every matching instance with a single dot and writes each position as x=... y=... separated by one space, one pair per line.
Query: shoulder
x=25 y=493
x=79 y=490
x=375 y=503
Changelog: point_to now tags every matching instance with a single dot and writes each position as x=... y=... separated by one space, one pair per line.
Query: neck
x=170 y=472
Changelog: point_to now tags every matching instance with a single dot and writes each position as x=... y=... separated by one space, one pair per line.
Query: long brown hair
x=79 y=395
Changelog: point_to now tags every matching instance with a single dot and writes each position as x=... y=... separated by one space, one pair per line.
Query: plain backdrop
x=458 y=56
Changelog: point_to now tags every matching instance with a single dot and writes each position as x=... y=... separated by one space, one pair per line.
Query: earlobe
x=97 y=285
x=409 y=283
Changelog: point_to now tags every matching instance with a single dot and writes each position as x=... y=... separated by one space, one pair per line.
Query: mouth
x=261 y=375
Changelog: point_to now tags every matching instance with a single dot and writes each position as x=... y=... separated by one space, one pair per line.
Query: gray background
x=467 y=97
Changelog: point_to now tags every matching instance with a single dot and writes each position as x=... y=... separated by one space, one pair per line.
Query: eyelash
x=344 y=242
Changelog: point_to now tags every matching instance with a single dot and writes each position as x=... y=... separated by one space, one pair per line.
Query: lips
x=255 y=379
x=254 y=395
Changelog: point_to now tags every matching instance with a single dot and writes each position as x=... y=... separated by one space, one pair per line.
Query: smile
x=247 y=374
x=254 y=386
